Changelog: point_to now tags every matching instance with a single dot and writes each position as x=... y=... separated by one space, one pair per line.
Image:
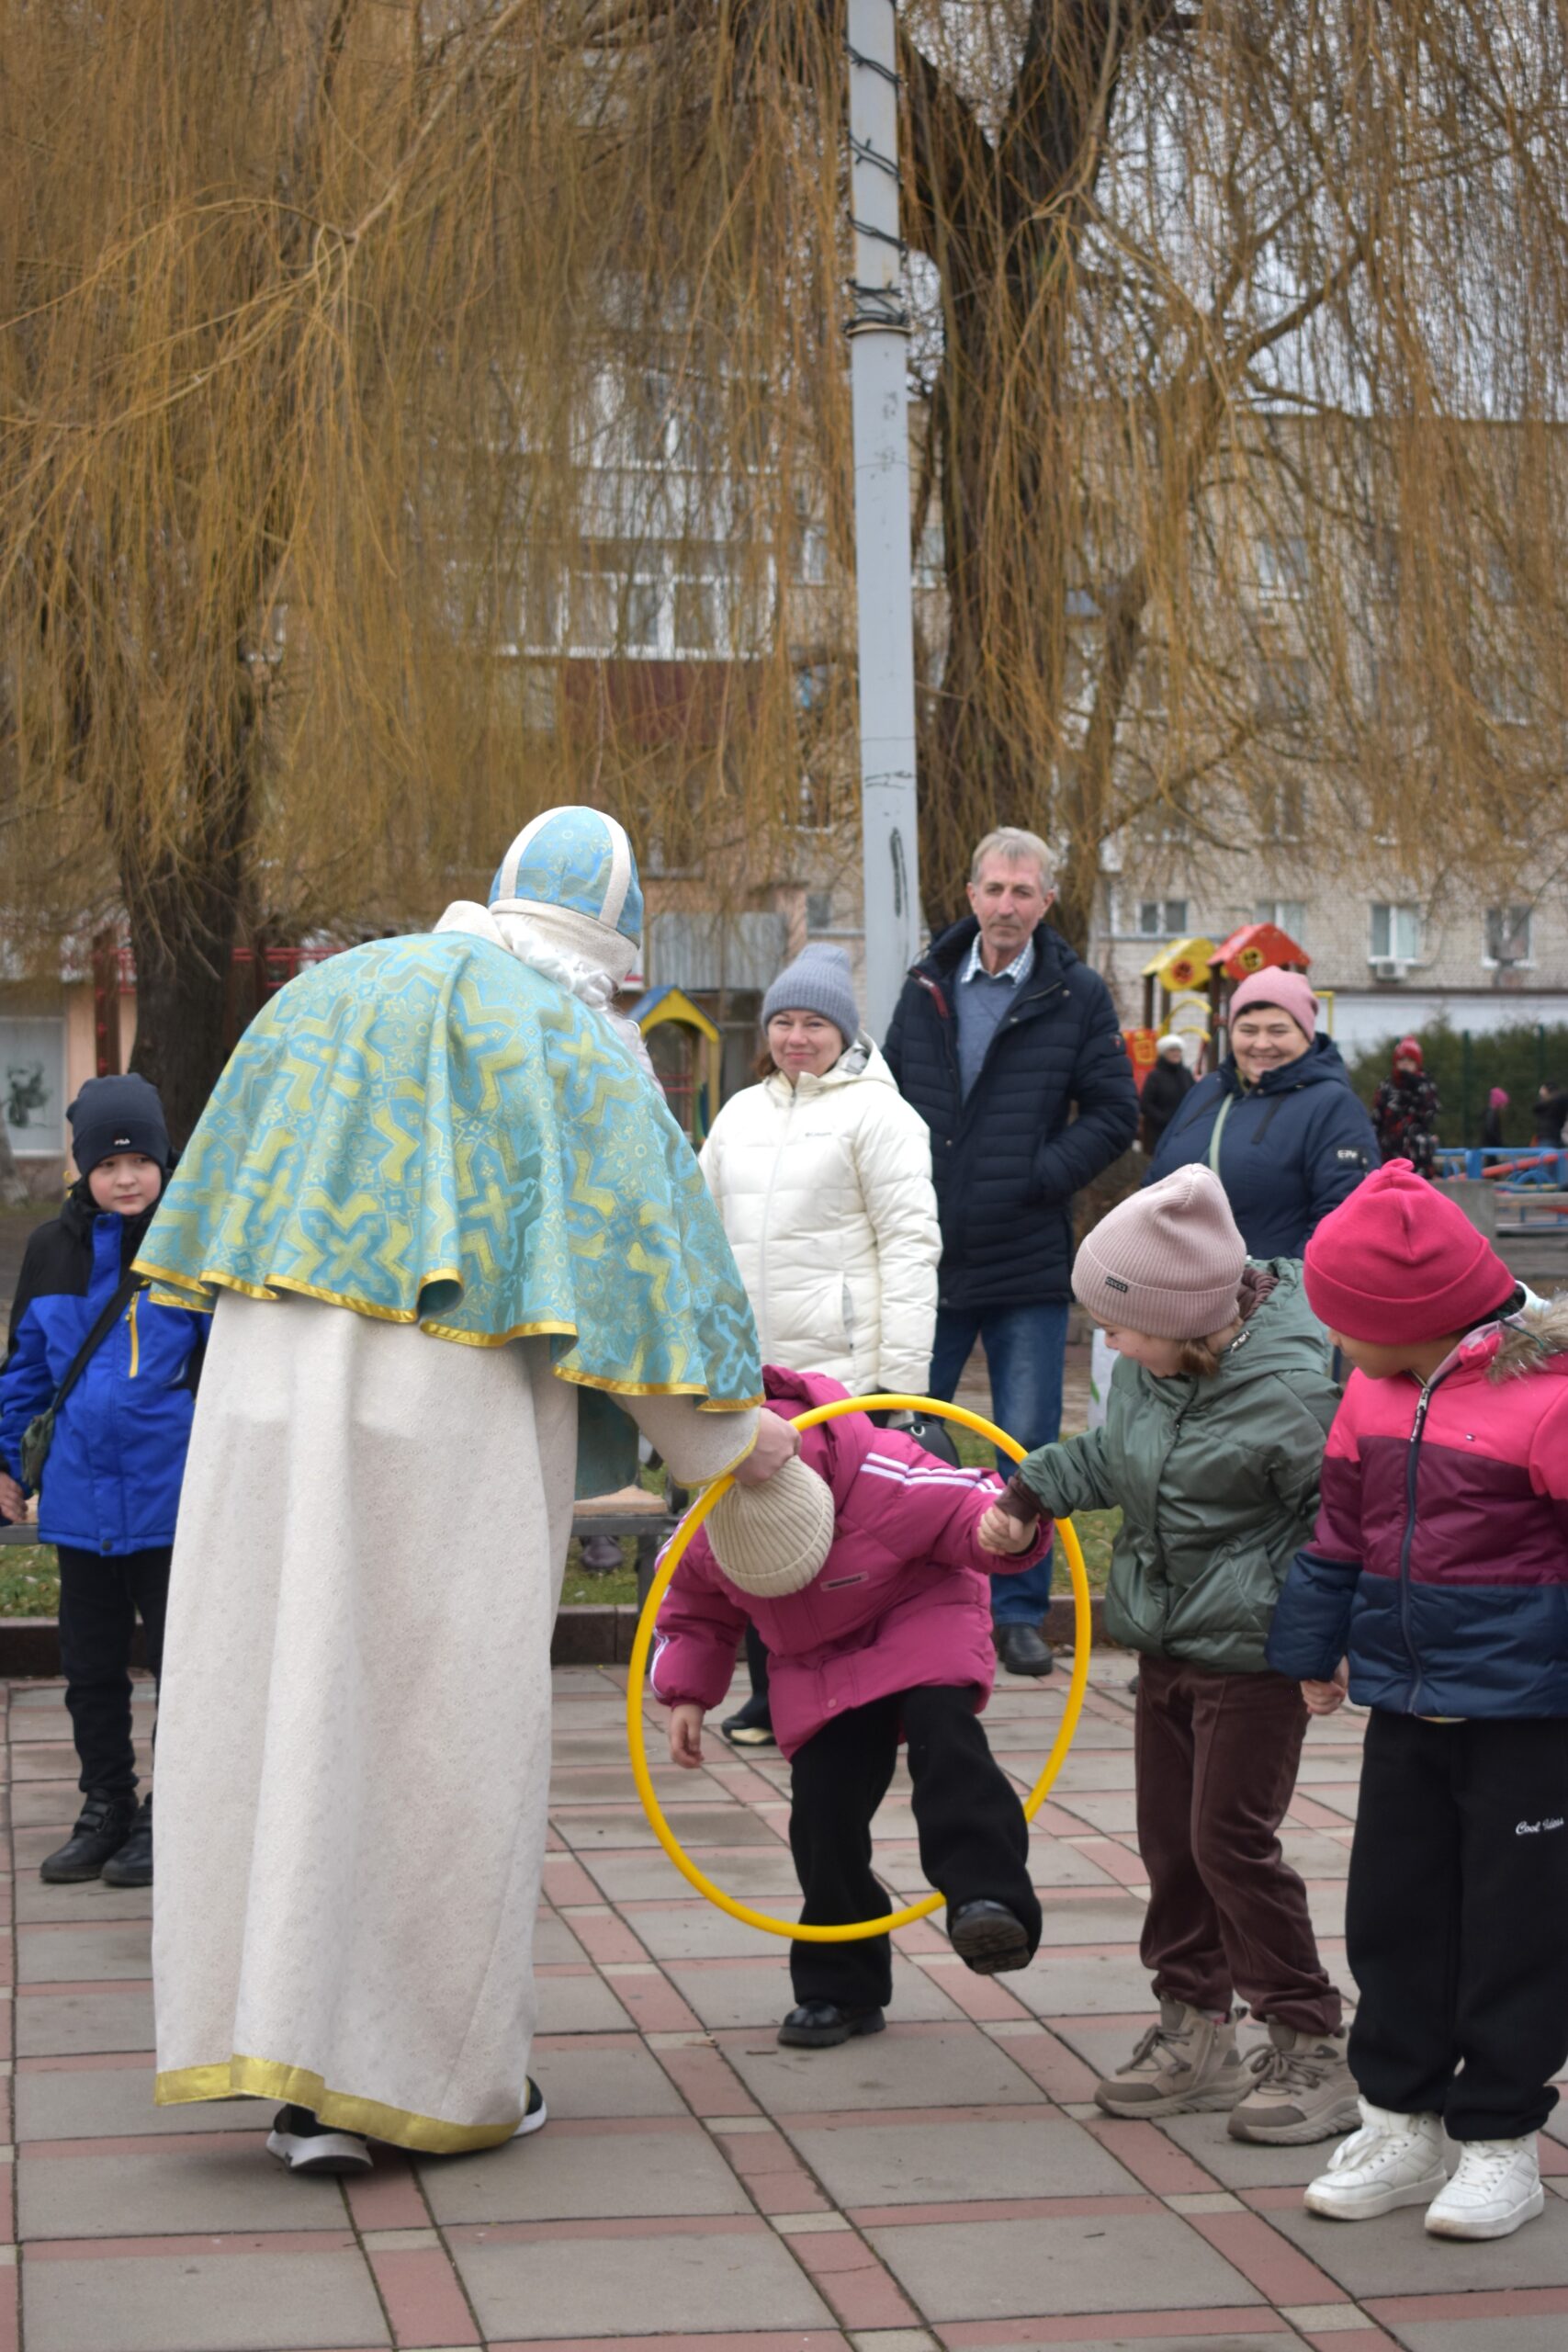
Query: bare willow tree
x=413 y=410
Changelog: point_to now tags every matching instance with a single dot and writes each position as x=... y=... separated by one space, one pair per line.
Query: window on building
x=642 y=601
x=1289 y=915
x=819 y=910
x=1161 y=918
x=1396 y=934
x=1282 y=811
x=1384 y=561
x=696 y=615
x=1508 y=935
x=1284 y=568
x=1284 y=690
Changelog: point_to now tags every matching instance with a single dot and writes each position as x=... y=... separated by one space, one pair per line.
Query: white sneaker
x=536 y=2115
x=1391 y=2160
x=1497 y=2188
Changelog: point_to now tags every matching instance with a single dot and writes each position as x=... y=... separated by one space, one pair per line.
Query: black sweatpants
x=974 y=1839
x=100 y=1601
x=1457 y=1921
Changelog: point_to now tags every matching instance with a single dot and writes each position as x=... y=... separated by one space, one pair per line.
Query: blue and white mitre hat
x=577 y=860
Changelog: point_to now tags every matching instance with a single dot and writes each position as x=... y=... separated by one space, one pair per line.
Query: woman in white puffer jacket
x=822 y=1174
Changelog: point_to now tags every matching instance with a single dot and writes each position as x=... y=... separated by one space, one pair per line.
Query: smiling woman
x=1277 y=1123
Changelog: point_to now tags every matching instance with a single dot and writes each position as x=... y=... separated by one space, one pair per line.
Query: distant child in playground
x=873 y=1596
x=1440 y=1564
x=119 y=1374
x=1211 y=1445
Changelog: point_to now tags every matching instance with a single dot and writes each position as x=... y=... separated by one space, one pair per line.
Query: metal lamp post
x=879 y=330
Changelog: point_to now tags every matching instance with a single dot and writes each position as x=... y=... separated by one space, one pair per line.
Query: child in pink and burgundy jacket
x=1436 y=1588
x=891 y=1640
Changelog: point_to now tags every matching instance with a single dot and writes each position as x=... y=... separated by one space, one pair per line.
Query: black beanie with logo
x=114 y=1115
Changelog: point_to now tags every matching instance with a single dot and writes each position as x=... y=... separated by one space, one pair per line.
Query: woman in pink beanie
x=1211 y=1442
x=1436 y=1585
x=1278 y=1122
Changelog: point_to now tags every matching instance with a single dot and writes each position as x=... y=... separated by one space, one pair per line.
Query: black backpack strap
x=108 y=1317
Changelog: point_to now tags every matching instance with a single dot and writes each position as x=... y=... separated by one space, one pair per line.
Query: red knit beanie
x=1400 y=1262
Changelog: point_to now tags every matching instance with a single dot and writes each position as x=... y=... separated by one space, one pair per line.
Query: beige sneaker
x=1300 y=2090
x=1187 y=2065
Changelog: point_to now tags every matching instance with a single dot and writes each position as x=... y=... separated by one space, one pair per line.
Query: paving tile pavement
x=945 y=2187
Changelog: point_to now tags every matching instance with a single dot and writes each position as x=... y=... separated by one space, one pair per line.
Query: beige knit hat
x=1167 y=1262
x=773 y=1538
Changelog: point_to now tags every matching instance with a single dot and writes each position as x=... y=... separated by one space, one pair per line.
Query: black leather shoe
x=751 y=1725
x=987 y=1938
x=1021 y=1650
x=102 y=1827
x=132 y=1866
x=821 y=2025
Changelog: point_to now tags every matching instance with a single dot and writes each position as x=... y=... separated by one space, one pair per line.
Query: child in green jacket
x=1211 y=1444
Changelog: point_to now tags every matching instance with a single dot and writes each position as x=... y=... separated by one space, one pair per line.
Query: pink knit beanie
x=1400 y=1262
x=1167 y=1262
x=1289 y=991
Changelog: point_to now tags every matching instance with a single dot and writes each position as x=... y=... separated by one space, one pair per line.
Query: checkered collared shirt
x=1017 y=972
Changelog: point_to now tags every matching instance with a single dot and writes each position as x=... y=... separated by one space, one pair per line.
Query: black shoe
x=102 y=1827
x=303 y=2142
x=821 y=2025
x=1021 y=1650
x=751 y=1725
x=132 y=1866
x=536 y=2115
x=987 y=1938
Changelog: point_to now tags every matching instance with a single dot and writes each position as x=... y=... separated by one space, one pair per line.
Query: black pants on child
x=974 y=1838
x=100 y=1601
x=1456 y=1921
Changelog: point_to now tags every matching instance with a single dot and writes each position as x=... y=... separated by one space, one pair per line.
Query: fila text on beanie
x=1400 y=1263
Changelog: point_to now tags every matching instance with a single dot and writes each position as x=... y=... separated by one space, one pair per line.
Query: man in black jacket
x=1000 y=1035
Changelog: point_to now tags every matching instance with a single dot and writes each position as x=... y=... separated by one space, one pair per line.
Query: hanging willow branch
x=410 y=413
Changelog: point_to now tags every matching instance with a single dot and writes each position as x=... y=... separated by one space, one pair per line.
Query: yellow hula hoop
x=766 y=1920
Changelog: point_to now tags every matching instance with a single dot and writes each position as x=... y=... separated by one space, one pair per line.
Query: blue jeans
x=1025 y=1352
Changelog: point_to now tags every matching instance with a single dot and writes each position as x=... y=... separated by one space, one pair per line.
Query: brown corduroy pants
x=1227 y=1918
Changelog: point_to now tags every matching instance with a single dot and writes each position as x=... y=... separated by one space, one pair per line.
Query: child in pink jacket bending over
x=888 y=1638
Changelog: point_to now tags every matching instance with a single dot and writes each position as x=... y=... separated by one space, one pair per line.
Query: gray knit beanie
x=1167 y=1262
x=819 y=980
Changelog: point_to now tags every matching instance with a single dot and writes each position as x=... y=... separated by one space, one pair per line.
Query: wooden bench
x=651 y=1520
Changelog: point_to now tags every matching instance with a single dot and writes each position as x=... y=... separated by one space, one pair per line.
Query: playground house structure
x=1188 y=987
x=686 y=1051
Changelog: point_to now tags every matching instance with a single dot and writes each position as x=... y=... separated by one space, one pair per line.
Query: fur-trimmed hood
x=1540 y=1328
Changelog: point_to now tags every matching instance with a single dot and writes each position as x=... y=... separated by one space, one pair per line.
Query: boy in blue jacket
x=110 y=1488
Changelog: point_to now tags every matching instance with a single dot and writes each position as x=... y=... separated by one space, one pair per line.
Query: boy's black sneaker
x=132 y=1866
x=987 y=1938
x=303 y=2142
x=102 y=1827
x=822 y=2025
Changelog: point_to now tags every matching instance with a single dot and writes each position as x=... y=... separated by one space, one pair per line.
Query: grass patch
x=603 y=1586
x=1095 y=1532
x=30 y=1580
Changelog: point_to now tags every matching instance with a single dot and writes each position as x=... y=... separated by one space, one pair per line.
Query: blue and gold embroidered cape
x=427 y=1131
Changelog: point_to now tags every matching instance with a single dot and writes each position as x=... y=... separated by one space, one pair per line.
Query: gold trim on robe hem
x=182 y=1294
x=340 y=2110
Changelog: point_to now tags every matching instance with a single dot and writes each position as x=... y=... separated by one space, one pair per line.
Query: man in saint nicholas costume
x=452 y=1238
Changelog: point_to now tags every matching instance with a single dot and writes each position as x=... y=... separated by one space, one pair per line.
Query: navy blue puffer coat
x=1293 y=1148
x=1007 y=1160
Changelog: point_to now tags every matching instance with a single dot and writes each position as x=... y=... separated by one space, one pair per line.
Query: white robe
x=354 y=1738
